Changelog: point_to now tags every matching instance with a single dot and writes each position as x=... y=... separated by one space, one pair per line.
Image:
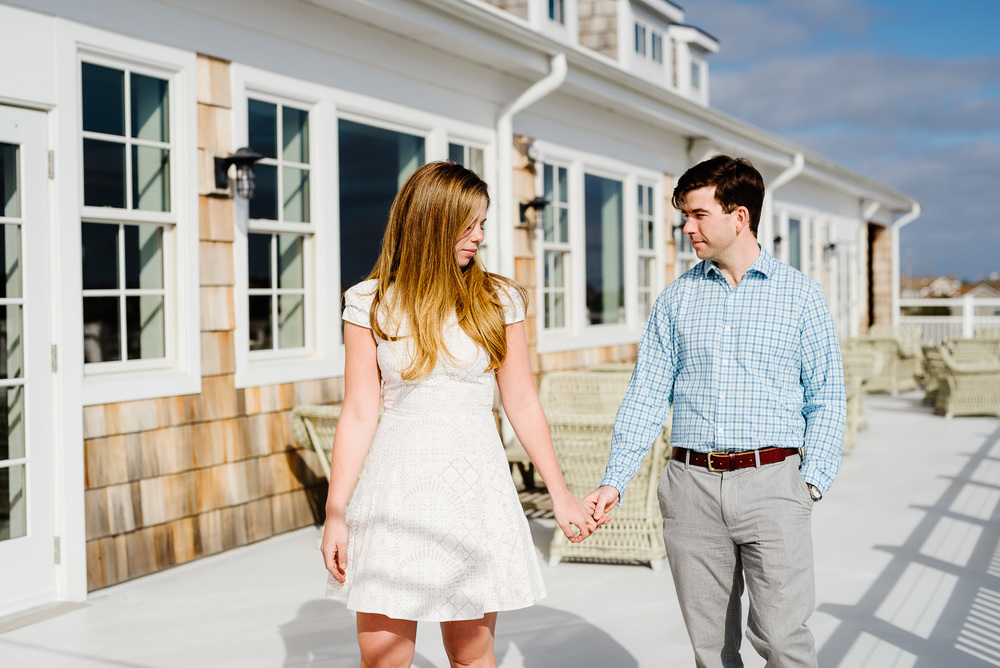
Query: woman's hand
x=571 y=511
x=334 y=547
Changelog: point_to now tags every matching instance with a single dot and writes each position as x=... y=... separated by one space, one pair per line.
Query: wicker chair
x=934 y=373
x=583 y=392
x=635 y=533
x=970 y=387
x=988 y=333
x=313 y=427
x=978 y=347
x=899 y=369
x=861 y=363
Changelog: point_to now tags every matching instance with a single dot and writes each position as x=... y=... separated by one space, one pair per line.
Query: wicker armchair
x=583 y=392
x=899 y=369
x=934 y=373
x=635 y=533
x=978 y=347
x=988 y=333
x=861 y=364
x=313 y=427
x=969 y=387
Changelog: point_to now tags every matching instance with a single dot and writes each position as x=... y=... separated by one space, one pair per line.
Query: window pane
x=150 y=178
x=563 y=185
x=604 y=257
x=374 y=164
x=10 y=255
x=563 y=224
x=695 y=75
x=103 y=99
x=259 y=260
x=291 y=321
x=10 y=191
x=264 y=203
x=290 y=273
x=657 y=47
x=456 y=152
x=143 y=257
x=150 y=118
x=548 y=213
x=13 y=503
x=262 y=127
x=295 y=183
x=558 y=310
x=260 y=322
x=11 y=342
x=476 y=161
x=100 y=256
x=101 y=329
x=295 y=135
x=144 y=327
x=795 y=243
x=12 y=422
x=103 y=173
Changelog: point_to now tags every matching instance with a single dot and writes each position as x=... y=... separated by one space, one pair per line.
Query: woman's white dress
x=437 y=532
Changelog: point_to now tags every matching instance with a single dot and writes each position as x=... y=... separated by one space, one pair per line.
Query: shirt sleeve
x=640 y=417
x=358 y=303
x=824 y=399
x=513 y=306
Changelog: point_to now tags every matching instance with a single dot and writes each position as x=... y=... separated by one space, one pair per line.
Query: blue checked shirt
x=745 y=368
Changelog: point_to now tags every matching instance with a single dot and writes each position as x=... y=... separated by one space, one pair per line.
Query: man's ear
x=742 y=219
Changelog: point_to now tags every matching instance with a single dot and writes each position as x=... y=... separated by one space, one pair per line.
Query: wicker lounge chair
x=979 y=347
x=635 y=533
x=899 y=368
x=970 y=387
x=313 y=427
x=861 y=364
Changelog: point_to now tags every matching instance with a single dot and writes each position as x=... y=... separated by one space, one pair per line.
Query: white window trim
x=579 y=333
x=181 y=374
x=325 y=358
x=567 y=32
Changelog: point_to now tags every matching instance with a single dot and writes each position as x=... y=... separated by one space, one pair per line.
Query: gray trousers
x=752 y=525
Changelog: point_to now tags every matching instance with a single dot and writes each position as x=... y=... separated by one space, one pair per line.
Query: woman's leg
x=469 y=643
x=385 y=642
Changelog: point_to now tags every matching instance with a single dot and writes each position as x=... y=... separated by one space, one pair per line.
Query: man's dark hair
x=737 y=183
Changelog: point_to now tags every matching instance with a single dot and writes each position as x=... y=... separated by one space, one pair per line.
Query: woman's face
x=470 y=238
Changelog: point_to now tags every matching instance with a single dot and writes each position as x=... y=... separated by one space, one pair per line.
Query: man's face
x=712 y=232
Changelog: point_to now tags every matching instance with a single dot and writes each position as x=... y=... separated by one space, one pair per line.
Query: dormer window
x=557 y=11
x=648 y=42
x=696 y=75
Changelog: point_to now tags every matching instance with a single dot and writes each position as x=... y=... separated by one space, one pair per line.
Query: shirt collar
x=765 y=264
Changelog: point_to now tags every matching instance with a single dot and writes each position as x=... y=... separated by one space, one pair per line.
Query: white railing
x=967 y=315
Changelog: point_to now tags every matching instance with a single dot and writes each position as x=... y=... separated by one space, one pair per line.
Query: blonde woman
x=435 y=531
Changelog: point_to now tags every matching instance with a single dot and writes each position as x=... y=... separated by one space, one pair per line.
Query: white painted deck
x=908 y=570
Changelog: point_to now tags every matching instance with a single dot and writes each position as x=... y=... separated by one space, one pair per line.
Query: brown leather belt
x=730 y=461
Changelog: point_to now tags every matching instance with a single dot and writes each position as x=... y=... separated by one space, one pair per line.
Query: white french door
x=27 y=554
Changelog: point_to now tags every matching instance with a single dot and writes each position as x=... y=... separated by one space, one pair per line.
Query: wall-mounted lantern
x=244 y=160
x=777 y=244
x=534 y=205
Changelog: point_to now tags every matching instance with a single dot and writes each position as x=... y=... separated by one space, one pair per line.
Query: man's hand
x=603 y=499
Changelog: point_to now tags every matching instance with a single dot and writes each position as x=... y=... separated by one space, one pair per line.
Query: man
x=744 y=349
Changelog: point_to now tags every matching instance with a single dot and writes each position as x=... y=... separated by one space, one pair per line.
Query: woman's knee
x=385 y=642
x=470 y=643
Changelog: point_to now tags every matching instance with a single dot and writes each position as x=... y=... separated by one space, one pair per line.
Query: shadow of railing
x=937 y=602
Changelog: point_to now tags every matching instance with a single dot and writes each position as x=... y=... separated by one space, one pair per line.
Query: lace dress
x=436 y=528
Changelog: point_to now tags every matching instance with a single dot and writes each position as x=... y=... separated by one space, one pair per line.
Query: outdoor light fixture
x=830 y=248
x=244 y=160
x=777 y=243
x=534 y=205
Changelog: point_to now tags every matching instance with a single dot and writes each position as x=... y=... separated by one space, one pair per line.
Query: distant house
x=158 y=328
x=919 y=287
x=982 y=290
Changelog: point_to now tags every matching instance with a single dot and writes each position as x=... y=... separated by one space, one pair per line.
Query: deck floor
x=908 y=575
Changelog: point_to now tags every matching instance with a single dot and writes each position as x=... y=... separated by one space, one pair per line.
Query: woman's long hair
x=435 y=205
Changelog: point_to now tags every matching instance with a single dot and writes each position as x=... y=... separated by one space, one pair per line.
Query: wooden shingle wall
x=171 y=480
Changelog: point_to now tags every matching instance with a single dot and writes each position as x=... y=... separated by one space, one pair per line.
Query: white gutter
x=894 y=228
x=506 y=208
x=767 y=210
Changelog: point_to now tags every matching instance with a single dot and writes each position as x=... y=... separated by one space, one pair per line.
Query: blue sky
x=904 y=91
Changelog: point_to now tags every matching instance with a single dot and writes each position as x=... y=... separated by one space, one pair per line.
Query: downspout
x=767 y=214
x=894 y=228
x=506 y=207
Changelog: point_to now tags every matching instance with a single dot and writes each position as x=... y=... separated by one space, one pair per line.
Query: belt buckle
x=709 y=461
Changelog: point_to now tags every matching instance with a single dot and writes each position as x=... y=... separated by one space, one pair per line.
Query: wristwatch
x=814 y=492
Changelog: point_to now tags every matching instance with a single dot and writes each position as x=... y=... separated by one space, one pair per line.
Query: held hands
x=571 y=511
x=602 y=500
x=334 y=547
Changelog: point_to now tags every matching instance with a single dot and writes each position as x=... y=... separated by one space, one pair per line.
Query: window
x=472 y=157
x=696 y=75
x=374 y=164
x=557 y=11
x=686 y=257
x=280 y=228
x=604 y=259
x=656 y=53
x=127 y=216
x=646 y=250
x=795 y=243
x=555 y=246
x=640 y=39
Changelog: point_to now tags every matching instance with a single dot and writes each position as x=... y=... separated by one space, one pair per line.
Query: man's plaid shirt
x=745 y=368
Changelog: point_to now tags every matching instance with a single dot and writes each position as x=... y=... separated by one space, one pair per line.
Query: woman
x=435 y=531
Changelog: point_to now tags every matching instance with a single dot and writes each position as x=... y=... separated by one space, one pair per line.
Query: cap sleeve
x=513 y=307
x=358 y=303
